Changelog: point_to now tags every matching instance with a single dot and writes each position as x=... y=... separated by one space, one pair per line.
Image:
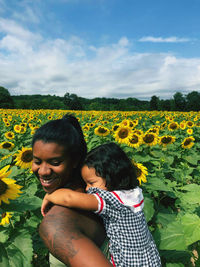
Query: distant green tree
x=23 y=104
x=179 y=102
x=193 y=101
x=6 y=100
x=165 y=104
x=154 y=103
x=94 y=106
x=72 y=102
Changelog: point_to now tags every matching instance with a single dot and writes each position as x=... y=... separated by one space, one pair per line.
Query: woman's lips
x=47 y=182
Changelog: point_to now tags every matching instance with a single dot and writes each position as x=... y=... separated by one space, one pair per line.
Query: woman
x=72 y=236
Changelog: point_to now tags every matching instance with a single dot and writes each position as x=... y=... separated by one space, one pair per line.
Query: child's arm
x=70 y=199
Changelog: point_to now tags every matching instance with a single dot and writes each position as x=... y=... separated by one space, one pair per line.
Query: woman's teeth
x=46 y=181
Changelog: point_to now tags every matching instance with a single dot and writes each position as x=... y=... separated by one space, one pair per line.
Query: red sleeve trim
x=101 y=203
x=139 y=204
x=112 y=260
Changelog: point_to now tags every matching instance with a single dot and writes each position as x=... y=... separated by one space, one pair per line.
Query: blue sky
x=100 y=48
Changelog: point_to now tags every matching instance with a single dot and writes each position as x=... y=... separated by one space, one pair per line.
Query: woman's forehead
x=52 y=148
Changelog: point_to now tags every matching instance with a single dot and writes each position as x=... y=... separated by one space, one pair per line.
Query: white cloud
x=30 y=64
x=172 y=39
x=10 y=27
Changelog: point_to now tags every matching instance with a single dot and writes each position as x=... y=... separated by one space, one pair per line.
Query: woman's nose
x=44 y=169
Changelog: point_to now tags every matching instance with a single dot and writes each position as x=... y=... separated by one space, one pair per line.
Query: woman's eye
x=37 y=162
x=55 y=163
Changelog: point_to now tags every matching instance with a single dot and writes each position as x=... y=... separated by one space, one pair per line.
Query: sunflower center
x=134 y=139
x=166 y=140
x=190 y=123
x=187 y=142
x=115 y=127
x=102 y=130
x=123 y=133
x=6 y=145
x=3 y=187
x=148 y=138
x=3 y=215
x=27 y=156
x=173 y=126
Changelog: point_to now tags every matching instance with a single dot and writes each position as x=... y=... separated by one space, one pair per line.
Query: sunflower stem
x=11 y=223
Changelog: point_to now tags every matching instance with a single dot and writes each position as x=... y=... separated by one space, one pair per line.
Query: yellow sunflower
x=8 y=188
x=7 y=124
x=23 y=130
x=163 y=125
x=173 y=126
x=5 y=120
x=7 y=145
x=17 y=128
x=91 y=124
x=188 y=142
x=101 y=131
x=189 y=131
x=24 y=124
x=150 y=139
x=125 y=122
x=134 y=141
x=122 y=134
x=190 y=124
x=24 y=158
x=141 y=172
x=182 y=125
x=132 y=124
x=5 y=218
x=166 y=140
x=10 y=135
x=86 y=128
x=115 y=127
x=10 y=118
x=154 y=130
x=138 y=132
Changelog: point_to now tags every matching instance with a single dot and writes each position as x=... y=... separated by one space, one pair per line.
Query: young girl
x=113 y=193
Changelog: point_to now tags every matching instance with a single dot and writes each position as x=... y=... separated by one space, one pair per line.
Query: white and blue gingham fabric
x=130 y=241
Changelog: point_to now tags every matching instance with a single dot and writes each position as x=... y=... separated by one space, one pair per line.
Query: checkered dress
x=131 y=243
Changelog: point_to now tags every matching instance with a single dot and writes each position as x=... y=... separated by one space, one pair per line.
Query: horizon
x=100 y=48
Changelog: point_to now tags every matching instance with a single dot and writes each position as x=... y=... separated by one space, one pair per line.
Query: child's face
x=91 y=179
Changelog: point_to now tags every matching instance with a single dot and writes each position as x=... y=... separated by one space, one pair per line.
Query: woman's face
x=51 y=166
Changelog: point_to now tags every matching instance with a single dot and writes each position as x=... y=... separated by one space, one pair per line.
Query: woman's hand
x=46 y=205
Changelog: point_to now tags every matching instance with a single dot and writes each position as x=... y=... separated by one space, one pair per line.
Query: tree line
x=179 y=102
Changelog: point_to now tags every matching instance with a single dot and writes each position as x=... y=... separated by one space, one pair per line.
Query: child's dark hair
x=111 y=163
x=66 y=132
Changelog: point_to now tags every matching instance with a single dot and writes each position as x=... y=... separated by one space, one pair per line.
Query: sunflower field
x=164 y=147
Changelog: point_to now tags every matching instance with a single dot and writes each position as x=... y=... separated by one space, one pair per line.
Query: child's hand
x=46 y=205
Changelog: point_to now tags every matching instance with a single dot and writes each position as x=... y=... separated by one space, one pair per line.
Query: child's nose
x=87 y=187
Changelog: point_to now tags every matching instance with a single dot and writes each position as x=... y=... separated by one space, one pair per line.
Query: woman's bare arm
x=73 y=237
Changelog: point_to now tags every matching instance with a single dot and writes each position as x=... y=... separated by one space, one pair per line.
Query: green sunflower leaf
x=148 y=208
x=3 y=256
